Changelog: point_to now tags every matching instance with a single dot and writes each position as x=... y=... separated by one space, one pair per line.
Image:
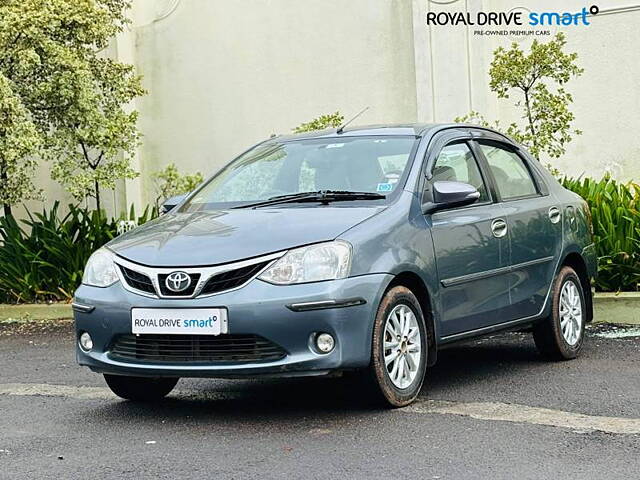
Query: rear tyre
x=140 y=389
x=399 y=348
x=561 y=335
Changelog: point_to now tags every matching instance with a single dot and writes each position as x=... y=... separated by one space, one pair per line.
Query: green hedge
x=615 y=208
x=42 y=258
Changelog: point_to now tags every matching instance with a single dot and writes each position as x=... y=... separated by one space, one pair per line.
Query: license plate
x=185 y=321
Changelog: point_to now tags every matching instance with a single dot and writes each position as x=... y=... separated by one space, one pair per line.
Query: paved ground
x=492 y=409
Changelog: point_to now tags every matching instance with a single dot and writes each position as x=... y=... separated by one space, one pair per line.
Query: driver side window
x=456 y=163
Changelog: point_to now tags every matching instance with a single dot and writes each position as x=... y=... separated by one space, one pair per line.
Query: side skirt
x=510 y=325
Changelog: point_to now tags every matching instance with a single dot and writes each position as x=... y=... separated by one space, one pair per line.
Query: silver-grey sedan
x=361 y=250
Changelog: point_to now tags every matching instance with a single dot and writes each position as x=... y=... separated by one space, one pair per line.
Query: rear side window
x=456 y=163
x=512 y=176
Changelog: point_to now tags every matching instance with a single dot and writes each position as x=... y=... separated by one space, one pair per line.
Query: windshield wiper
x=322 y=196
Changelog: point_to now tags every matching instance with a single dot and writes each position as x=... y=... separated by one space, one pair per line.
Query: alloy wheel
x=402 y=346
x=570 y=312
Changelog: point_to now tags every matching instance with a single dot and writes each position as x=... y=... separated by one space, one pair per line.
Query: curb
x=617 y=308
x=40 y=311
x=620 y=308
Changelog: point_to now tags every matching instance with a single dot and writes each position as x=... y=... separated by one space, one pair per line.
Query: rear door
x=533 y=220
x=471 y=246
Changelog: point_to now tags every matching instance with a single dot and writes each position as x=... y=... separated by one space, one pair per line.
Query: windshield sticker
x=384 y=187
x=335 y=145
x=392 y=178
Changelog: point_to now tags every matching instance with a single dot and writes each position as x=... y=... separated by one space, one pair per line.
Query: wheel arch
x=579 y=265
x=413 y=282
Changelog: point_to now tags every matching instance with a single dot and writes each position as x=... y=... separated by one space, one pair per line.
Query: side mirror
x=169 y=203
x=451 y=194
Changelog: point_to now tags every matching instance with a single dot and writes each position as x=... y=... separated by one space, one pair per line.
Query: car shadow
x=291 y=400
x=476 y=361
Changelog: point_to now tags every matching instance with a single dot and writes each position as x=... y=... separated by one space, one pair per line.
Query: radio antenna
x=341 y=128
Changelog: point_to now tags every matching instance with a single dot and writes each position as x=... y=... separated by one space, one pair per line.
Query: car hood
x=222 y=236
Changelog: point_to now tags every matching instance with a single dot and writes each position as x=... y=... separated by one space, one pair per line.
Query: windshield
x=358 y=164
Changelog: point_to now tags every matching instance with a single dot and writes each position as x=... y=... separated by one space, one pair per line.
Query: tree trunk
x=6 y=207
x=97 y=192
x=531 y=125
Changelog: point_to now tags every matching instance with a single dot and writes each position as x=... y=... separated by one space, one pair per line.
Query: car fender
x=397 y=241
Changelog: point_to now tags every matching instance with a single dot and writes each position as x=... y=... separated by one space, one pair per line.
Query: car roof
x=397 y=129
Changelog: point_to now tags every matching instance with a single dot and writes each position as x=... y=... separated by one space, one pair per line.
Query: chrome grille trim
x=205 y=274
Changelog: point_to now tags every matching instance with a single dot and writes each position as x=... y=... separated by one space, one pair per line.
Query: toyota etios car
x=362 y=249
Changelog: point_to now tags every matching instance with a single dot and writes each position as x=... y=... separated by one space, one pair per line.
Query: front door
x=471 y=248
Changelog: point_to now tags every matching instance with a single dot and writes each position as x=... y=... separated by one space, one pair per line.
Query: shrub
x=44 y=259
x=615 y=208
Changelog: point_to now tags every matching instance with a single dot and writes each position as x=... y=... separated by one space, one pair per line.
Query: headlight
x=100 y=270
x=323 y=261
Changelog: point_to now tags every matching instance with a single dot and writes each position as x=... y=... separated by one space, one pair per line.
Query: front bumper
x=259 y=308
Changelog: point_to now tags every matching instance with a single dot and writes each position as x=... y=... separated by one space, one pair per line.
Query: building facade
x=223 y=74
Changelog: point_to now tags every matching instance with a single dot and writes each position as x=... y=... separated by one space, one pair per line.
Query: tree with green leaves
x=19 y=143
x=333 y=120
x=170 y=182
x=538 y=78
x=51 y=53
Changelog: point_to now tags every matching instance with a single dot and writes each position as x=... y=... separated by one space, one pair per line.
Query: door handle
x=554 y=214
x=499 y=228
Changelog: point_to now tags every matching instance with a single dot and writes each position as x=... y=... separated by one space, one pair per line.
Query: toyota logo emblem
x=178 y=281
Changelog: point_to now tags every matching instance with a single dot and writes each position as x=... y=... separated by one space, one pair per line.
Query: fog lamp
x=86 y=343
x=325 y=342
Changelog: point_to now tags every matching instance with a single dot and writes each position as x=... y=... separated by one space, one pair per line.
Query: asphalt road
x=58 y=421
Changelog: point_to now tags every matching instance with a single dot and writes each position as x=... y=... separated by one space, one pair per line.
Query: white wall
x=606 y=97
x=223 y=74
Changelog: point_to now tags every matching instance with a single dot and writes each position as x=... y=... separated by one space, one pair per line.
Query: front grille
x=196 y=348
x=215 y=284
x=232 y=278
x=162 y=283
x=137 y=280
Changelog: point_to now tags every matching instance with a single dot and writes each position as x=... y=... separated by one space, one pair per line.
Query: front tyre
x=399 y=348
x=561 y=335
x=140 y=389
